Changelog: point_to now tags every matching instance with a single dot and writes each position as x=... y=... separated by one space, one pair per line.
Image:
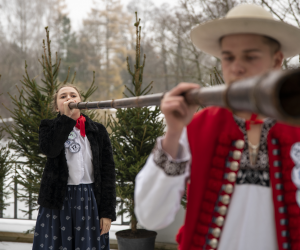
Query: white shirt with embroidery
x=249 y=223
x=79 y=159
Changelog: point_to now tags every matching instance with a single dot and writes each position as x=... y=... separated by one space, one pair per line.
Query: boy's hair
x=273 y=44
x=54 y=97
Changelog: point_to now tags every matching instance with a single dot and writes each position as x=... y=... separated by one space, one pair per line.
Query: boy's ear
x=278 y=60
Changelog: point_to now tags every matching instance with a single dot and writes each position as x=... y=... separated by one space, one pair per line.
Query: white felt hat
x=246 y=19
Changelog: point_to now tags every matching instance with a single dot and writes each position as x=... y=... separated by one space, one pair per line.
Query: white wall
x=168 y=234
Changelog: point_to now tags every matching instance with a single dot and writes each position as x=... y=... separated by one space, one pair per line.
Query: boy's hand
x=178 y=114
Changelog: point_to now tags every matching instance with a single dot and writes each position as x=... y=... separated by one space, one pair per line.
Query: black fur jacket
x=52 y=136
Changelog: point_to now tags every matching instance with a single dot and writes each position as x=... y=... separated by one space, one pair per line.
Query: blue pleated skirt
x=75 y=227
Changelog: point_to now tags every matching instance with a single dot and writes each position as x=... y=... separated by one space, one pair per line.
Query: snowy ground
x=15 y=246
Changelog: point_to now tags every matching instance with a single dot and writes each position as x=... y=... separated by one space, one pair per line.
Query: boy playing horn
x=242 y=171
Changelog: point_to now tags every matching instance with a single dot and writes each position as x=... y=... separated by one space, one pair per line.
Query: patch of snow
x=6 y=120
x=15 y=246
x=16 y=226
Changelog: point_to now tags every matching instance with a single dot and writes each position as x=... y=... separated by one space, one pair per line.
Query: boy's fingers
x=181 y=88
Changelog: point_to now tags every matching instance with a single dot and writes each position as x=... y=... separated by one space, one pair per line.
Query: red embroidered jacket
x=215 y=162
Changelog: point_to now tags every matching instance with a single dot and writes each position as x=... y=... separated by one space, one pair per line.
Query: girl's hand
x=67 y=111
x=105 y=224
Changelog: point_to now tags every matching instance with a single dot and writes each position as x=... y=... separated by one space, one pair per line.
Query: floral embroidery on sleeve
x=169 y=166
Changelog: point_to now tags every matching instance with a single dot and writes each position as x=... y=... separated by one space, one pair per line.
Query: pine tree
x=31 y=106
x=5 y=167
x=134 y=132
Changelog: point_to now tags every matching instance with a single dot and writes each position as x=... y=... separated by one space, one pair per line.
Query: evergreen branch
x=91 y=89
x=43 y=57
x=41 y=62
x=128 y=67
x=137 y=54
x=21 y=94
x=149 y=90
x=133 y=83
x=49 y=55
x=67 y=77
x=93 y=82
x=49 y=72
x=145 y=129
x=139 y=44
x=119 y=147
x=46 y=64
x=148 y=86
x=56 y=59
x=73 y=77
x=34 y=77
x=44 y=69
x=26 y=72
x=129 y=90
x=57 y=67
x=137 y=80
x=6 y=109
x=144 y=61
x=142 y=71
